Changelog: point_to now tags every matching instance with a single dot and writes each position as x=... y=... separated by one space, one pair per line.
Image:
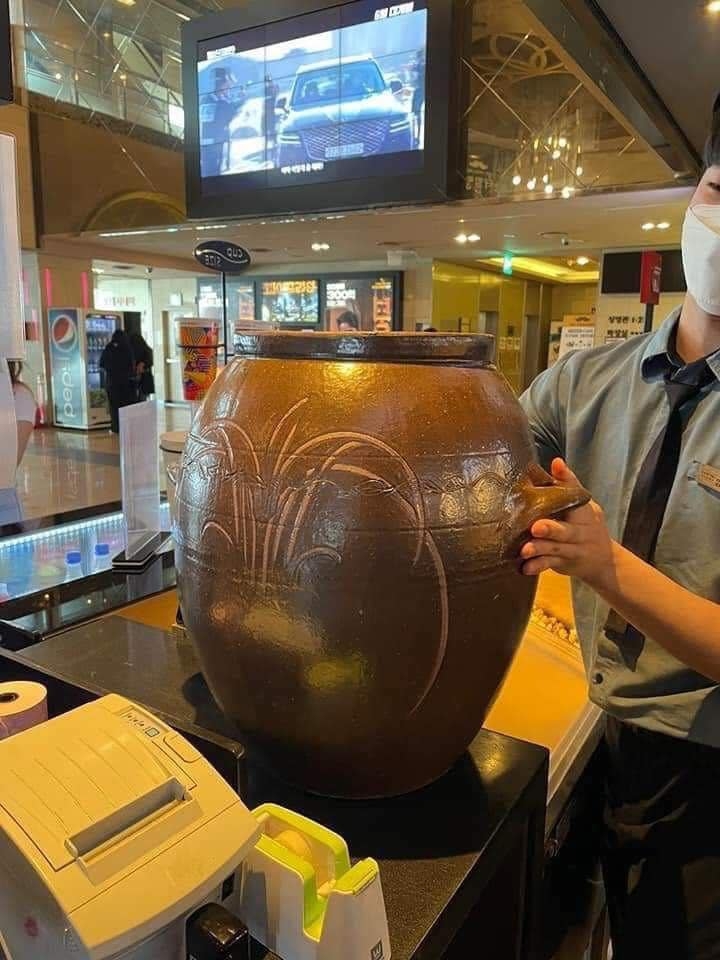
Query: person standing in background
x=217 y=112
x=270 y=100
x=25 y=412
x=118 y=362
x=418 y=97
x=348 y=322
x=143 y=354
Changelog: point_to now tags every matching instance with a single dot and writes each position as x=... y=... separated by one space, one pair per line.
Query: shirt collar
x=657 y=357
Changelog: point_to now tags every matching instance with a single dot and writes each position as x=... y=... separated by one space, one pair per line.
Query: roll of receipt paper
x=22 y=705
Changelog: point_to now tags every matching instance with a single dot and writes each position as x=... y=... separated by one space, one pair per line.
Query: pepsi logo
x=64 y=333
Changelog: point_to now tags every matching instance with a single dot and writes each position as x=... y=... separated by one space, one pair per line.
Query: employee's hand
x=579 y=545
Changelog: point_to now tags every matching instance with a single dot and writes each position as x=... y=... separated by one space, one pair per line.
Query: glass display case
x=45 y=558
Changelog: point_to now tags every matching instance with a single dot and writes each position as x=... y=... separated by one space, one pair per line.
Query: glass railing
x=108 y=69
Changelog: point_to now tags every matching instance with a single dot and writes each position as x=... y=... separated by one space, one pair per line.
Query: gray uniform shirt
x=601 y=410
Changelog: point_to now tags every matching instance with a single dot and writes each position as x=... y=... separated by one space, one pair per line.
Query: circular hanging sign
x=222 y=256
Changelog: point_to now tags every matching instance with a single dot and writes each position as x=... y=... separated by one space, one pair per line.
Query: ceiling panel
x=587 y=224
x=676 y=44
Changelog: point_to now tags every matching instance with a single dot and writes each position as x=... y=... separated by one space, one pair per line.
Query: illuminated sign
x=272 y=288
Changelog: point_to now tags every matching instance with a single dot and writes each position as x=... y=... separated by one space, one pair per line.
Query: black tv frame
x=441 y=179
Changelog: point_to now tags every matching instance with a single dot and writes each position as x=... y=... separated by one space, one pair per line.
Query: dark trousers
x=213 y=157
x=662 y=850
x=117 y=399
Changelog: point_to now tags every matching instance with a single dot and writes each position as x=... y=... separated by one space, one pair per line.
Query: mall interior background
x=98 y=120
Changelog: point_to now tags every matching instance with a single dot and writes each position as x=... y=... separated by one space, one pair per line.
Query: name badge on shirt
x=709 y=477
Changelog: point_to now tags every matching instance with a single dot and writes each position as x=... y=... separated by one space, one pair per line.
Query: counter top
x=53 y=520
x=31 y=618
x=543 y=699
x=437 y=848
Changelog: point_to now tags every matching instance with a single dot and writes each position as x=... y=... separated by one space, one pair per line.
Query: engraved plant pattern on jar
x=267 y=495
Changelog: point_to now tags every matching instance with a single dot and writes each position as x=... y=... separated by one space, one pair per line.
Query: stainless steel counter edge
x=570 y=759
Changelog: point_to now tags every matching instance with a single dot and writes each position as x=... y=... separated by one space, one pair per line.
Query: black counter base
x=460 y=861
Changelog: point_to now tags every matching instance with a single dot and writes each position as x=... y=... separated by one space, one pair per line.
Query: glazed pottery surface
x=350 y=511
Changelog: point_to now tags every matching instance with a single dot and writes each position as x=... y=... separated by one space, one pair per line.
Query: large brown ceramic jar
x=350 y=511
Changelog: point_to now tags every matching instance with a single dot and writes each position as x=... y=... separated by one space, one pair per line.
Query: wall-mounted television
x=621 y=272
x=296 y=106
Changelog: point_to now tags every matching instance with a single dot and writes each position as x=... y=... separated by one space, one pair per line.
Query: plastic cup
x=197 y=351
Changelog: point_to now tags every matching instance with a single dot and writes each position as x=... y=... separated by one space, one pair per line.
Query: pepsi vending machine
x=77 y=339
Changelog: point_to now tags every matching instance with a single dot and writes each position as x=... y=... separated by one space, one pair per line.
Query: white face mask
x=701 y=255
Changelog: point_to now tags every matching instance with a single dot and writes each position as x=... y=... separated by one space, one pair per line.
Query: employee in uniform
x=640 y=424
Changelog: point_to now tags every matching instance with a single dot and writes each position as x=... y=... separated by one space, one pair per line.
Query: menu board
x=359 y=303
x=578 y=333
x=293 y=301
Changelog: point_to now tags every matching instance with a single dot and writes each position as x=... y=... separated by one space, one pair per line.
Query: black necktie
x=654 y=484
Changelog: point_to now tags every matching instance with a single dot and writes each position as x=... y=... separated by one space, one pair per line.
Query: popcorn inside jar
x=561 y=631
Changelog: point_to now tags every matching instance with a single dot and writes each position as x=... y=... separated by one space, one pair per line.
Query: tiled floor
x=67 y=469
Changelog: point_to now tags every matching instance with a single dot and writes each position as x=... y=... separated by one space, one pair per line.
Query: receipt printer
x=113 y=831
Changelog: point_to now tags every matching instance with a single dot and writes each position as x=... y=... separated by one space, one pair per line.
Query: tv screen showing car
x=324 y=98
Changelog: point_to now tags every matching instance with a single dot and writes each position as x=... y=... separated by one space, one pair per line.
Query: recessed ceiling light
x=713 y=6
x=582 y=261
x=58 y=76
x=556 y=154
x=461 y=238
x=549 y=188
x=566 y=193
x=562 y=142
x=664 y=225
x=532 y=183
x=648 y=226
x=517 y=180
